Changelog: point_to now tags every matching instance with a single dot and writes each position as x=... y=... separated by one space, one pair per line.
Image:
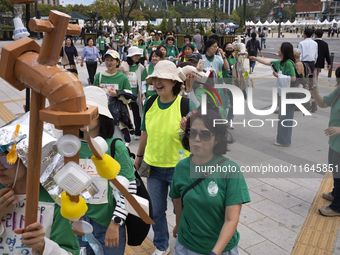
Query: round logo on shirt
x=212 y=189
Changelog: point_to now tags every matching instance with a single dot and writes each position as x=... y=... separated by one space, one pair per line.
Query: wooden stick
x=139 y=210
x=34 y=159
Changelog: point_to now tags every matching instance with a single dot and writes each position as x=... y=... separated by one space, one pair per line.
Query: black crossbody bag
x=205 y=175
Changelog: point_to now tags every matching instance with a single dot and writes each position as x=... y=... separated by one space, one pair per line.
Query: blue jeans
x=334 y=159
x=102 y=53
x=252 y=64
x=120 y=52
x=99 y=233
x=284 y=134
x=181 y=250
x=263 y=42
x=158 y=184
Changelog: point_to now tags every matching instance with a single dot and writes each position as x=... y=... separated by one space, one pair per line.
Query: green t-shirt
x=225 y=74
x=203 y=214
x=334 y=120
x=194 y=44
x=103 y=213
x=134 y=81
x=61 y=229
x=173 y=51
x=144 y=49
x=150 y=90
x=117 y=80
x=164 y=106
x=287 y=68
x=101 y=42
x=155 y=44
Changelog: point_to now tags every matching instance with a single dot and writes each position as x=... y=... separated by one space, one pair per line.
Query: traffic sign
x=282 y=5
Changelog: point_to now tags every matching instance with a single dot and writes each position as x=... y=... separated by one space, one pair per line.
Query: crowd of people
x=142 y=75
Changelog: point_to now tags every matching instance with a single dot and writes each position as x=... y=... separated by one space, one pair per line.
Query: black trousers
x=136 y=117
x=311 y=65
x=91 y=69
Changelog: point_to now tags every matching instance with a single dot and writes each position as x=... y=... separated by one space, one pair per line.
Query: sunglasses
x=4 y=162
x=205 y=135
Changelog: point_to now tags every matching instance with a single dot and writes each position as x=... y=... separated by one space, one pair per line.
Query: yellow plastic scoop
x=12 y=155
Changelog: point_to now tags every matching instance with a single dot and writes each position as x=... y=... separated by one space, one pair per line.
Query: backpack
x=306 y=68
x=307 y=71
x=184 y=104
x=252 y=48
x=262 y=34
x=137 y=229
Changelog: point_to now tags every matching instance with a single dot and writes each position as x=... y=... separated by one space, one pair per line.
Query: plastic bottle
x=181 y=155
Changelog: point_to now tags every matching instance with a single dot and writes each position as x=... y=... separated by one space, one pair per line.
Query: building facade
x=51 y=2
x=317 y=10
x=226 y=6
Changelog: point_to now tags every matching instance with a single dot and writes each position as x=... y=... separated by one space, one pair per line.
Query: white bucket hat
x=164 y=69
x=97 y=97
x=132 y=51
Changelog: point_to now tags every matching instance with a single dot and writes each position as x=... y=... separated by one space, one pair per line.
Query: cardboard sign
x=101 y=183
x=132 y=79
x=10 y=243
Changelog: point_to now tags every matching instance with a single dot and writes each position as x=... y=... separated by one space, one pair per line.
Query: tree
x=249 y=12
x=222 y=16
x=6 y=7
x=164 y=26
x=126 y=27
x=170 y=22
x=107 y=9
x=125 y=11
x=149 y=26
x=235 y=17
x=239 y=30
x=292 y=8
x=178 y=21
x=266 y=8
x=202 y=32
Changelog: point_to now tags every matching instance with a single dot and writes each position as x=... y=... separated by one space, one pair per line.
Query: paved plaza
x=283 y=209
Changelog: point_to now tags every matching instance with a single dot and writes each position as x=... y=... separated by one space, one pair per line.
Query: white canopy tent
x=266 y=23
x=325 y=22
x=288 y=23
x=274 y=23
x=294 y=23
x=333 y=21
x=258 y=23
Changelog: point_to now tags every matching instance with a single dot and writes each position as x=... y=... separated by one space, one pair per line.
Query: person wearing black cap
x=187 y=50
x=195 y=58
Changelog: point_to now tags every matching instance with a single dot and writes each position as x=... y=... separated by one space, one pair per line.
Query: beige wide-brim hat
x=164 y=69
x=139 y=37
x=132 y=51
x=96 y=96
x=170 y=37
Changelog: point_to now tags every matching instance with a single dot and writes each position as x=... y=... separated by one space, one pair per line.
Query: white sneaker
x=158 y=252
x=137 y=137
x=127 y=145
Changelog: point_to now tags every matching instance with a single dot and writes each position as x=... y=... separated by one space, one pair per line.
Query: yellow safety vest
x=164 y=141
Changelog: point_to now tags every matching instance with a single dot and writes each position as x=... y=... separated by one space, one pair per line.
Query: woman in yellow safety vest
x=160 y=143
